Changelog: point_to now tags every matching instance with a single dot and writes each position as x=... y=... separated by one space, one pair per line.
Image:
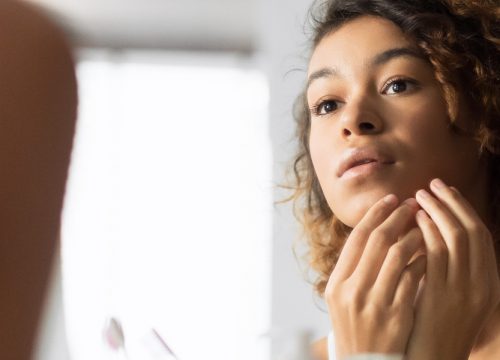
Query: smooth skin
x=38 y=106
x=370 y=294
x=453 y=306
x=362 y=96
x=462 y=287
x=383 y=295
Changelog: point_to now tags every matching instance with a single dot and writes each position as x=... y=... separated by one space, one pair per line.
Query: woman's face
x=379 y=122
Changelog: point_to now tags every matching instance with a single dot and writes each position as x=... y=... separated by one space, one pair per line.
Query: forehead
x=356 y=42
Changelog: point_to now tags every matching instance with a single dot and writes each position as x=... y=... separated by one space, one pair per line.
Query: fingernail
x=411 y=202
x=390 y=199
x=421 y=214
x=423 y=194
x=438 y=183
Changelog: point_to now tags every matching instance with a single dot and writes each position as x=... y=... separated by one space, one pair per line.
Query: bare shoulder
x=38 y=108
x=319 y=349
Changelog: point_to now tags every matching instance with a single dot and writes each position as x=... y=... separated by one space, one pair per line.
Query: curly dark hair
x=461 y=39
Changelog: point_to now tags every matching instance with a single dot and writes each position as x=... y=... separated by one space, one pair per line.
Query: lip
x=357 y=161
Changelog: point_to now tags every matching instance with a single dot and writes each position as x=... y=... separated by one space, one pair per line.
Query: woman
x=399 y=129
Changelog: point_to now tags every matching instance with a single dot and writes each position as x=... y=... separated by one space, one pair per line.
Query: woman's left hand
x=461 y=286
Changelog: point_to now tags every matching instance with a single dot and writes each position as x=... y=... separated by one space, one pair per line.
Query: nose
x=359 y=119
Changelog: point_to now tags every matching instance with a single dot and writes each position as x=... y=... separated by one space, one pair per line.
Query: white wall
x=52 y=341
x=158 y=24
x=283 y=42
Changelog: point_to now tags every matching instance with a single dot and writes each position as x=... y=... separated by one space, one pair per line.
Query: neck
x=478 y=194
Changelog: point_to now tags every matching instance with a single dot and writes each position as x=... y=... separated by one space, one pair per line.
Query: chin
x=356 y=208
x=351 y=215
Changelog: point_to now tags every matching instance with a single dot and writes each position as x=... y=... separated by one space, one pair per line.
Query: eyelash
x=316 y=110
x=392 y=81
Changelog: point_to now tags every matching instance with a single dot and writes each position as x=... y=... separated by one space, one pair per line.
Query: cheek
x=324 y=156
x=428 y=148
x=322 y=148
x=423 y=128
x=317 y=149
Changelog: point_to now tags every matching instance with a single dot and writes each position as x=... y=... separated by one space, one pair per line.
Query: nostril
x=366 y=126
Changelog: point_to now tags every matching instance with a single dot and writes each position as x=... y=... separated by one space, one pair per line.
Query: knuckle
x=328 y=293
x=476 y=297
x=331 y=291
x=457 y=234
x=406 y=280
x=379 y=233
x=394 y=261
x=440 y=251
x=455 y=195
x=479 y=300
x=404 y=212
x=372 y=310
x=359 y=232
x=410 y=277
x=396 y=253
x=380 y=237
x=416 y=232
x=381 y=210
x=344 y=296
x=478 y=229
x=353 y=297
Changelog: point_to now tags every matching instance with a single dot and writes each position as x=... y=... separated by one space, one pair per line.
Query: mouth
x=362 y=161
x=364 y=168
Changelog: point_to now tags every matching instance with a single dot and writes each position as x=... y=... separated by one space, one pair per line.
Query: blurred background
x=170 y=227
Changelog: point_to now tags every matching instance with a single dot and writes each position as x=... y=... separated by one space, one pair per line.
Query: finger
x=483 y=260
x=453 y=234
x=477 y=233
x=356 y=242
x=407 y=288
x=435 y=249
x=398 y=257
x=381 y=239
x=456 y=203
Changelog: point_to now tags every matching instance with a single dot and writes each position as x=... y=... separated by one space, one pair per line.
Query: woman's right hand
x=462 y=287
x=371 y=291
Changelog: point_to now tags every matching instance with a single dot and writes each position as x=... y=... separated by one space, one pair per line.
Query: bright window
x=167 y=217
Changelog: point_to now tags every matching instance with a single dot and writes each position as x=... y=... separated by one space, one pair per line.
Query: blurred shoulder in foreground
x=38 y=101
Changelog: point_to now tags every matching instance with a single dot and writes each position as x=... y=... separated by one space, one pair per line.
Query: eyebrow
x=377 y=60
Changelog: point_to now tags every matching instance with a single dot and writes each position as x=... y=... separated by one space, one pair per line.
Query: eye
x=325 y=107
x=397 y=86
